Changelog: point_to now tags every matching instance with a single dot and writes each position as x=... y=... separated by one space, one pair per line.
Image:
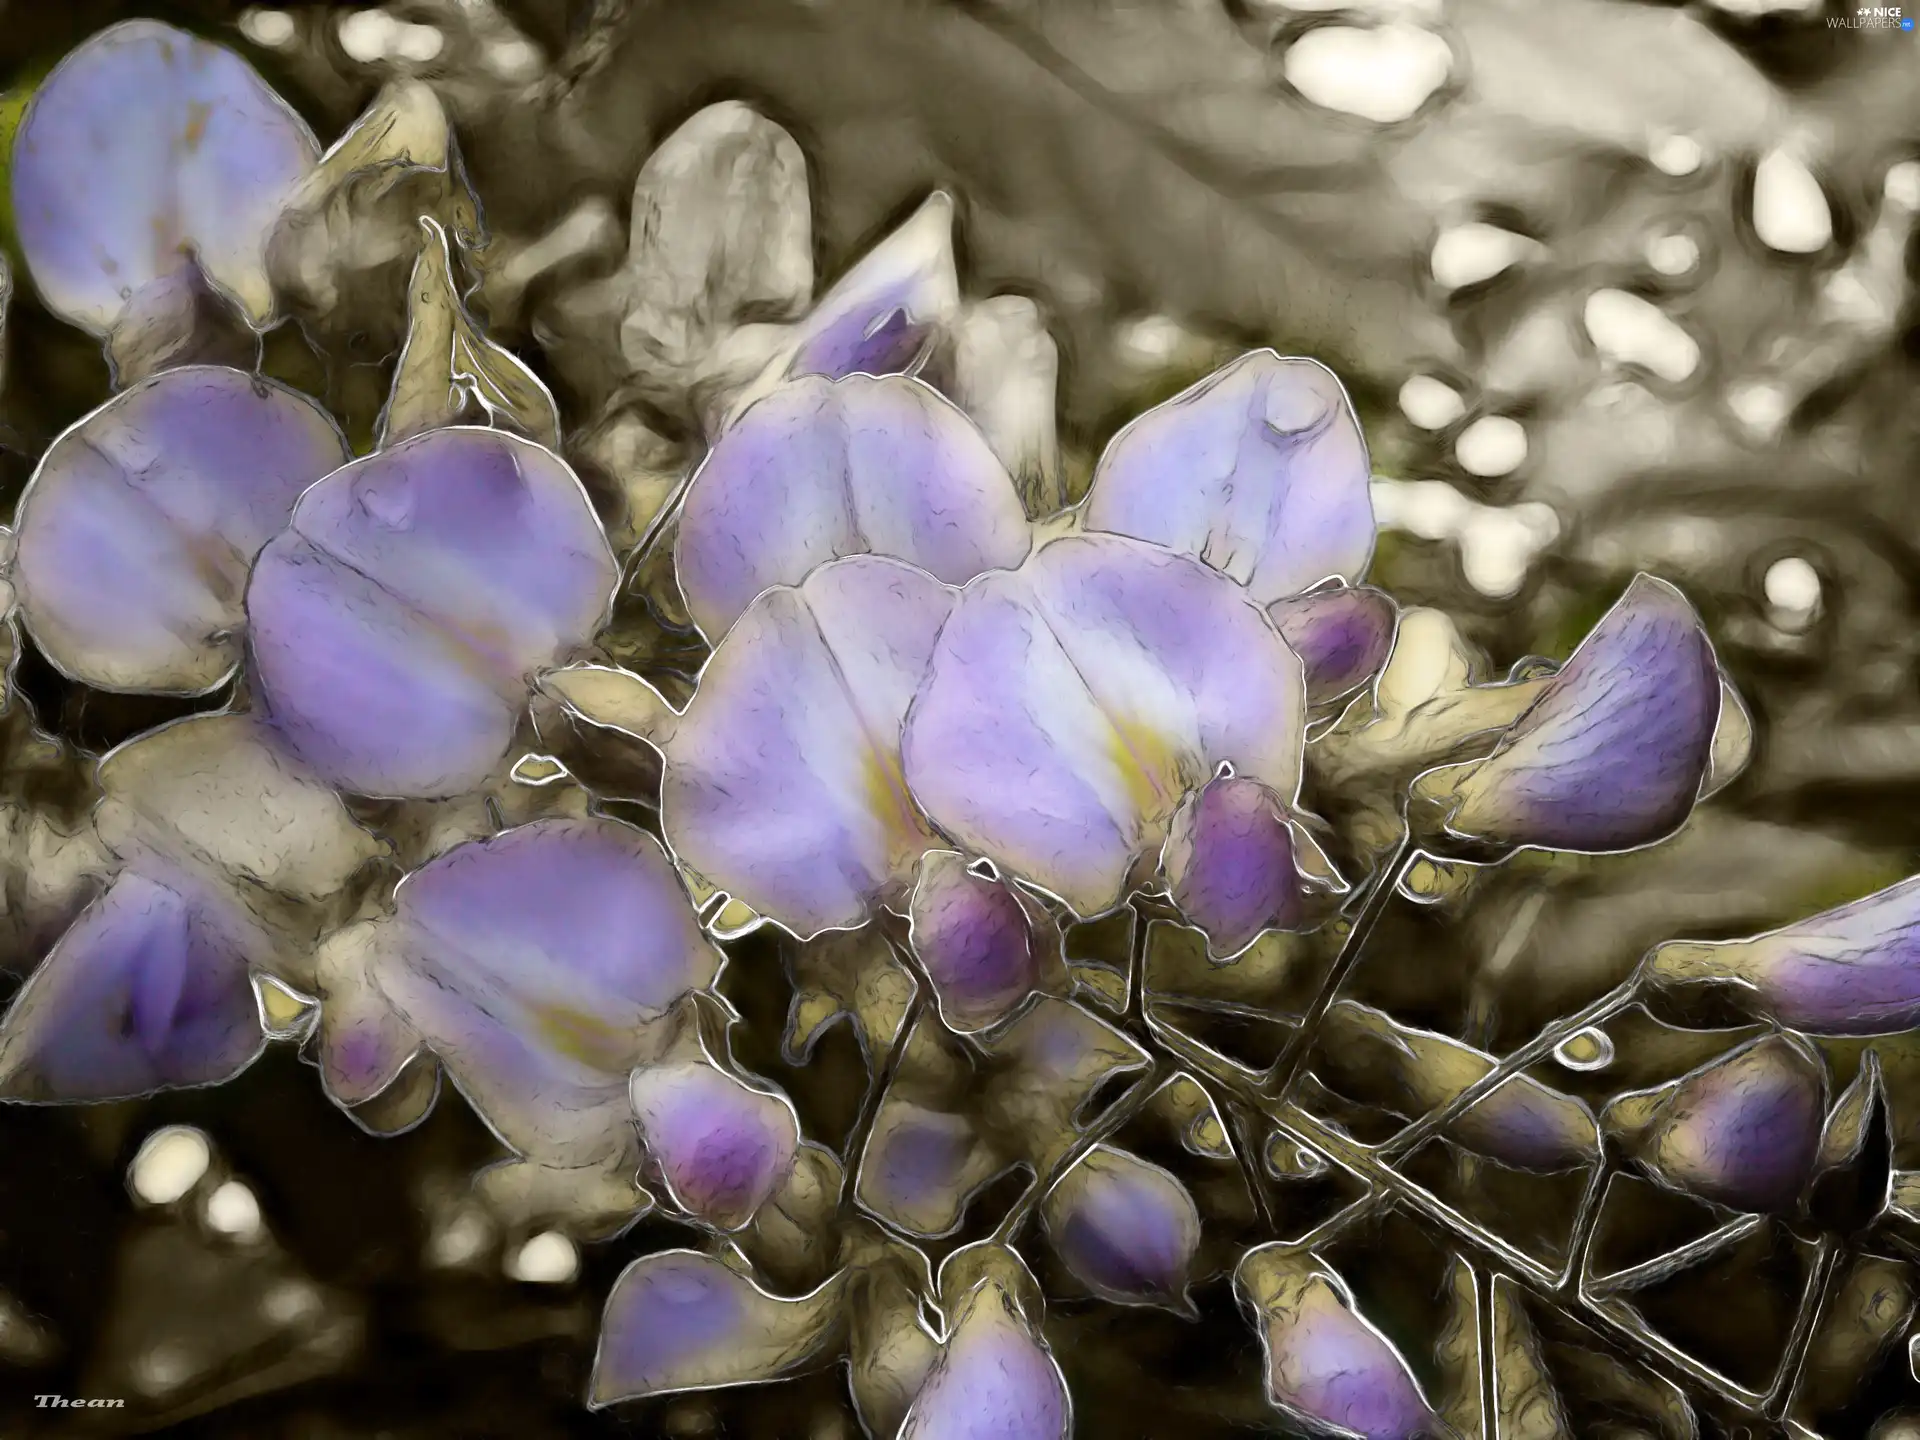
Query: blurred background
x=1614 y=286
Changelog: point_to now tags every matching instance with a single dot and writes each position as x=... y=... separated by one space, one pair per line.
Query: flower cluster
x=505 y=770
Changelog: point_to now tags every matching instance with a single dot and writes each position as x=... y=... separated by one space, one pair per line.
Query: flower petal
x=680 y=1320
x=1854 y=970
x=215 y=788
x=821 y=469
x=145 y=992
x=880 y=317
x=137 y=530
x=1326 y=1366
x=1741 y=1131
x=144 y=146
x=533 y=963
x=1229 y=859
x=1260 y=470
x=1613 y=753
x=723 y=1146
x=1342 y=635
x=364 y=1044
x=1006 y=371
x=995 y=1378
x=1126 y=1229
x=974 y=940
x=783 y=783
x=464 y=559
x=1070 y=704
x=921 y=1167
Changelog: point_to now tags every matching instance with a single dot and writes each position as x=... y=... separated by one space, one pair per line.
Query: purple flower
x=1126 y=1229
x=1854 y=970
x=1326 y=1366
x=723 y=1145
x=138 y=528
x=1232 y=861
x=995 y=1378
x=679 y=1320
x=783 y=784
x=1070 y=705
x=818 y=469
x=1742 y=1131
x=147 y=150
x=537 y=965
x=883 y=315
x=1260 y=470
x=1342 y=634
x=396 y=622
x=1616 y=749
x=973 y=936
x=148 y=990
x=922 y=1167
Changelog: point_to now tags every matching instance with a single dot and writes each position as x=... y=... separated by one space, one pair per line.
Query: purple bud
x=1230 y=862
x=970 y=932
x=1854 y=970
x=1326 y=1366
x=1742 y=1131
x=995 y=1378
x=1615 y=751
x=1126 y=1229
x=722 y=1145
x=1342 y=635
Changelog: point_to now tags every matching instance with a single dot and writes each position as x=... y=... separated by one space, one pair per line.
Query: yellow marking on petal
x=884 y=788
x=1149 y=766
x=583 y=1037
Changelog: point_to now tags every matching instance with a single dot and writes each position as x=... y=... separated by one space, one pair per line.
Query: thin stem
x=1130 y=1104
x=1484 y=1327
x=1372 y=905
x=1504 y=1070
x=882 y=1081
x=1813 y=1304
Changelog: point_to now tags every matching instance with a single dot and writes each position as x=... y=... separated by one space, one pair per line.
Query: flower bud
x=972 y=936
x=1741 y=1131
x=1232 y=862
x=1126 y=1229
x=1342 y=636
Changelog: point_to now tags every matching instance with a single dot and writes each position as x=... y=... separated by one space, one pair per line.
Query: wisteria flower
x=395 y=624
x=148 y=151
x=1853 y=970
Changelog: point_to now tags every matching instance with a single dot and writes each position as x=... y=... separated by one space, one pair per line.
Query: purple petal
x=1342 y=635
x=921 y=1167
x=783 y=782
x=534 y=961
x=995 y=1379
x=1229 y=859
x=1126 y=1229
x=974 y=940
x=1853 y=970
x=680 y=1320
x=144 y=146
x=1613 y=753
x=881 y=316
x=145 y=992
x=364 y=1044
x=1071 y=704
x=1742 y=1131
x=1260 y=470
x=723 y=1146
x=137 y=530
x=396 y=622
x=1325 y=1364
x=817 y=470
